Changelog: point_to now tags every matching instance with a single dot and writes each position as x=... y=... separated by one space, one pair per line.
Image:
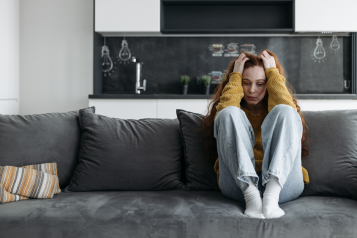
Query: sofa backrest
x=41 y=138
x=332 y=159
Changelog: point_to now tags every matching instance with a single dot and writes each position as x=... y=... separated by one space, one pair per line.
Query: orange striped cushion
x=31 y=181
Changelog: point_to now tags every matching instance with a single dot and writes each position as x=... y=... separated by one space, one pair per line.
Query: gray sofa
x=157 y=188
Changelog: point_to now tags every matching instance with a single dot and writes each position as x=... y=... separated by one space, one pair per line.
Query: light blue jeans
x=281 y=137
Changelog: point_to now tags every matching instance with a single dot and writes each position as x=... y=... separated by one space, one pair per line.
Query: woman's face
x=254 y=84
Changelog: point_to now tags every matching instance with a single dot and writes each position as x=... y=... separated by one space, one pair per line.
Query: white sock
x=271 y=207
x=254 y=204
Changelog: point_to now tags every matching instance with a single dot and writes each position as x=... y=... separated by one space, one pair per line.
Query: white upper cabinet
x=127 y=16
x=322 y=15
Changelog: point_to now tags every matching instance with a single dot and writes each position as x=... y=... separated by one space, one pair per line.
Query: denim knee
x=228 y=111
x=225 y=115
x=286 y=111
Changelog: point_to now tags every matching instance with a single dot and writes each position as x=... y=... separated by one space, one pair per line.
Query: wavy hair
x=207 y=125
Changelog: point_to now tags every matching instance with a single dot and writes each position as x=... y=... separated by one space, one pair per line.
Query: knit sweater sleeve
x=232 y=93
x=278 y=93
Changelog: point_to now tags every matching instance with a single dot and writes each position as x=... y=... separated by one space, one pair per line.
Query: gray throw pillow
x=332 y=159
x=200 y=174
x=127 y=154
x=41 y=138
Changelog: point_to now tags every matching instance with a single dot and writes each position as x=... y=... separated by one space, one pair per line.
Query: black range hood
x=235 y=16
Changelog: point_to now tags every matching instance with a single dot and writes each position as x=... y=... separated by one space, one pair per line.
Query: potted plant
x=184 y=80
x=206 y=83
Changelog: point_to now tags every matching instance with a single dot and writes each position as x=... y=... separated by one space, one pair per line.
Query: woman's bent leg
x=235 y=142
x=294 y=185
x=281 y=137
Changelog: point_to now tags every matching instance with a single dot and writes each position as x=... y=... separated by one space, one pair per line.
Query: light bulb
x=124 y=53
x=319 y=52
x=107 y=63
x=335 y=45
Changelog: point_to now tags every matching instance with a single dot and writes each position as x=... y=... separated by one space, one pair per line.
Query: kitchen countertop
x=202 y=96
x=149 y=96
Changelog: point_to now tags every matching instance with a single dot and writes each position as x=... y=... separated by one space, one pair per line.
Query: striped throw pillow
x=31 y=181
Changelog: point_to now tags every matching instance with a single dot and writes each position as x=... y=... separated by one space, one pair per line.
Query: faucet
x=138 y=69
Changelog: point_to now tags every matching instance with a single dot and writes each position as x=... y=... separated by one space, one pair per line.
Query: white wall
x=9 y=56
x=56 y=55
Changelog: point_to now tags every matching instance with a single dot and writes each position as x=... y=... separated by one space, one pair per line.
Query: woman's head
x=253 y=73
x=254 y=79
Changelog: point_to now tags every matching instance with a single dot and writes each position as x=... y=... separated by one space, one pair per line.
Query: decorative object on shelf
x=184 y=80
x=217 y=49
x=319 y=52
x=107 y=63
x=206 y=83
x=249 y=48
x=124 y=53
x=347 y=83
x=232 y=50
x=216 y=77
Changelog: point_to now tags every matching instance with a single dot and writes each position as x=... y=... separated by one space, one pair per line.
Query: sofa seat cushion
x=172 y=213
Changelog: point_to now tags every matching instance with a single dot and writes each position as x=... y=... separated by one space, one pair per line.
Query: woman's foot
x=254 y=204
x=271 y=207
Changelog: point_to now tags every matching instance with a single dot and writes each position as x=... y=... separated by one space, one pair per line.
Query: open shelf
x=233 y=16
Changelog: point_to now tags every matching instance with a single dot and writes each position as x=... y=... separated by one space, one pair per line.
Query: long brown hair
x=207 y=125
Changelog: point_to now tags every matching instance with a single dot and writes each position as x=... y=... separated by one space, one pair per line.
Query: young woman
x=255 y=128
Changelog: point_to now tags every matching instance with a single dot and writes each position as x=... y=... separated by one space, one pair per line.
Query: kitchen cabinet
x=166 y=108
x=147 y=108
x=125 y=108
x=329 y=16
x=127 y=16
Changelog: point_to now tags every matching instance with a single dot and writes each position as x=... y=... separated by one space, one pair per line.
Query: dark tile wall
x=166 y=58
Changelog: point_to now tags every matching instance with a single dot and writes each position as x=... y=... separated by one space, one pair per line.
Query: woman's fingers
x=262 y=57
x=267 y=55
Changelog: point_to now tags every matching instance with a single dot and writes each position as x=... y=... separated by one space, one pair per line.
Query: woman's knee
x=283 y=111
x=228 y=113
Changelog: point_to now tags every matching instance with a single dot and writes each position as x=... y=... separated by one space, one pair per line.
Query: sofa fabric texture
x=41 y=138
x=200 y=174
x=120 y=154
x=147 y=154
x=332 y=159
x=174 y=213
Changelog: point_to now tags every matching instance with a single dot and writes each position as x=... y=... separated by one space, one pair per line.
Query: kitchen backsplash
x=314 y=65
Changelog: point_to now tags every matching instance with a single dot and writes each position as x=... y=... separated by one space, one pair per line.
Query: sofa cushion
x=200 y=174
x=172 y=214
x=332 y=159
x=41 y=138
x=127 y=154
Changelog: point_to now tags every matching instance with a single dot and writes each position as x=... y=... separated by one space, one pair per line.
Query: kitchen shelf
x=233 y=16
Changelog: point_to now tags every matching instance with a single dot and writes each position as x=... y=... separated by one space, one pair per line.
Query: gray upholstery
x=332 y=162
x=200 y=174
x=41 y=138
x=173 y=214
x=118 y=154
x=179 y=213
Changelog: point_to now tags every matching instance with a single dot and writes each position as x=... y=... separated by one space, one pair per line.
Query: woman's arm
x=232 y=93
x=277 y=91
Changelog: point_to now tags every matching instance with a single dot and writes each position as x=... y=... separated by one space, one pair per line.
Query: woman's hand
x=268 y=60
x=239 y=63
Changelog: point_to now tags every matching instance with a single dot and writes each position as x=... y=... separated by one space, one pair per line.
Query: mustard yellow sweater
x=232 y=95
